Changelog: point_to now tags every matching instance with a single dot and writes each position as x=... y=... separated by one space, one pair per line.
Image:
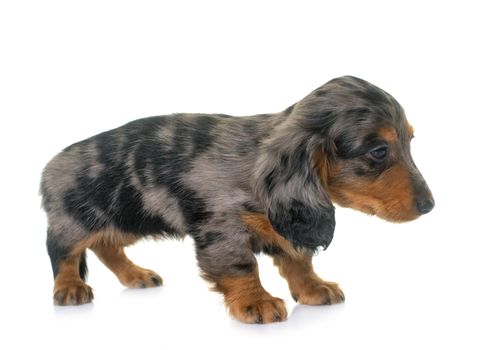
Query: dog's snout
x=423 y=197
x=425 y=205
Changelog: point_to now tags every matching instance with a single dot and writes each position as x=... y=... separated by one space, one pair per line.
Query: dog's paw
x=75 y=293
x=140 y=278
x=266 y=309
x=319 y=293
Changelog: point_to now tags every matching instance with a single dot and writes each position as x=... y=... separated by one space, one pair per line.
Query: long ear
x=288 y=185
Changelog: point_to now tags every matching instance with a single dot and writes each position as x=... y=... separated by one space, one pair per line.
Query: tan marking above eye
x=388 y=133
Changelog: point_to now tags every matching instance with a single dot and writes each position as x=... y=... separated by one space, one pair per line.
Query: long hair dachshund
x=237 y=186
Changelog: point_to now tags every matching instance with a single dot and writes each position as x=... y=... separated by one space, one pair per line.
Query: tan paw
x=140 y=278
x=267 y=309
x=319 y=293
x=73 y=293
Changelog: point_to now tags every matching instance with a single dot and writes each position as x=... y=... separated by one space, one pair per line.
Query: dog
x=238 y=186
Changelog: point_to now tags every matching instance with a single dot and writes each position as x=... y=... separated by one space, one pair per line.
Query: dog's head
x=347 y=142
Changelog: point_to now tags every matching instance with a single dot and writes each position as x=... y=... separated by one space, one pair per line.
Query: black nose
x=424 y=206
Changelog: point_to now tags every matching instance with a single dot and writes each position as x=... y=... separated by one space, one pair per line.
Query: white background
x=69 y=70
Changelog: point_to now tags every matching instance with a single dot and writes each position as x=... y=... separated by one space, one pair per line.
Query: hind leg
x=69 y=288
x=129 y=274
x=69 y=270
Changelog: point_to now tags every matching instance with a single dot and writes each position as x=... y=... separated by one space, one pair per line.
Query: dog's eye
x=379 y=153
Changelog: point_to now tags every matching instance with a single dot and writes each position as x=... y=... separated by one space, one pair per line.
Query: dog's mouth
x=397 y=217
x=393 y=211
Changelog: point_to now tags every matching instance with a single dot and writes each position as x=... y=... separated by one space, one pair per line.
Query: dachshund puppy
x=237 y=186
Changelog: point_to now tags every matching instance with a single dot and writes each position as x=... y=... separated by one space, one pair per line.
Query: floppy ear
x=289 y=186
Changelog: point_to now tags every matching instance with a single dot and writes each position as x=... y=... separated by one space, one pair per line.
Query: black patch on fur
x=300 y=162
x=252 y=207
x=78 y=204
x=283 y=161
x=255 y=244
x=243 y=268
x=270 y=180
x=182 y=140
x=372 y=95
x=319 y=122
x=349 y=147
x=251 y=143
x=207 y=239
x=357 y=134
x=193 y=207
x=167 y=163
x=109 y=149
x=202 y=136
x=131 y=217
x=90 y=200
x=109 y=198
x=302 y=225
x=56 y=251
x=288 y=166
x=83 y=266
x=59 y=253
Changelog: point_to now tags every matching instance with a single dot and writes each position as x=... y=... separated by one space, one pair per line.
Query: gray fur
x=196 y=174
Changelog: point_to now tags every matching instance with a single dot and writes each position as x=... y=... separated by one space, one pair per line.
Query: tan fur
x=305 y=286
x=194 y=174
x=105 y=238
x=295 y=267
x=389 y=134
x=129 y=274
x=69 y=288
x=260 y=224
x=248 y=301
x=322 y=165
x=390 y=196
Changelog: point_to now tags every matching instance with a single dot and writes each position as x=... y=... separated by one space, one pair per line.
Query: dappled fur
x=202 y=175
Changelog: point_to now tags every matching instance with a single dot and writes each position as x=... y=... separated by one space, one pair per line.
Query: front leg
x=305 y=286
x=229 y=263
x=248 y=301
